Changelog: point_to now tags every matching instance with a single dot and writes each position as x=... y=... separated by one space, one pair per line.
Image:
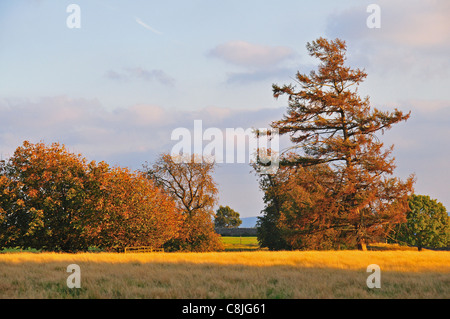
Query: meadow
x=229 y=274
x=240 y=243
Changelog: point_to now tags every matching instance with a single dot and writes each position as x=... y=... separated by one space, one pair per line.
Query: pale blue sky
x=115 y=88
x=43 y=57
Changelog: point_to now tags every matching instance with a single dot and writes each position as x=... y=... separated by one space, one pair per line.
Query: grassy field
x=240 y=243
x=248 y=274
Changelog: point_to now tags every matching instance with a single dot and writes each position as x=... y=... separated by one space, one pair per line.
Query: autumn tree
x=127 y=210
x=299 y=211
x=427 y=224
x=190 y=183
x=329 y=123
x=53 y=199
x=42 y=197
x=227 y=217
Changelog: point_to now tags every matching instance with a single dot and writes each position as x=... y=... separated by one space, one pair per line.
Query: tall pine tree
x=330 y=124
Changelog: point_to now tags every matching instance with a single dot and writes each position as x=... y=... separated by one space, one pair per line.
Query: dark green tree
x=227 y=218
x=427 y=224
x=269 y=233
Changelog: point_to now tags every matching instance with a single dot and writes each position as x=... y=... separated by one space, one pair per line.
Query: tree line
x=55 y=200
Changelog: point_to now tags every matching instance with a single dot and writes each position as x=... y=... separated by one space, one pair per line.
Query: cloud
x=113 y=75
x=141 y=74
x=139 y=21
x=422 y=24
x=150 y=75
x=258 y=62
x=260 y=75
x=82 y=124
x=421 y=146
x=102 y=134
x=419 y=24
x=251 y=55
x=132 y=135
x=413 y=38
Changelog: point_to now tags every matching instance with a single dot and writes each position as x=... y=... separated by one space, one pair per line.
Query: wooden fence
x=142 y=249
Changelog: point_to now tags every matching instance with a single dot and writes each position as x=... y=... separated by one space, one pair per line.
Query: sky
x=117 y=86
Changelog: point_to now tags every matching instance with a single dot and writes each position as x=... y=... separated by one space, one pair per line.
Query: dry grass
x=261 y=274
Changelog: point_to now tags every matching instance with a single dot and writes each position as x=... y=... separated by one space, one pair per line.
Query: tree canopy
x=227 y=217
x=331 y=126
x=55 y=200
x=427 y=224
x=190 y=183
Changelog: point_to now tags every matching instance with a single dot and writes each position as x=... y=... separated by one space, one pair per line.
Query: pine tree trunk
x=361 y=239
x=362 y=246
x=419 y=244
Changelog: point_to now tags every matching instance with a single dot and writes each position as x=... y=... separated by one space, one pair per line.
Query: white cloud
x=80 y=123
x=418 y=24
x=414 y=37
x=146 y=114
x=101 y=133
x=142 y=74
x=258 y=62
x=113 y=75
x=149 y=75
x=271 y=75
x=251 y=55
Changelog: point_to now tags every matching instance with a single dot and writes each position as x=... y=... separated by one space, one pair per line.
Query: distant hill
x=248 y=222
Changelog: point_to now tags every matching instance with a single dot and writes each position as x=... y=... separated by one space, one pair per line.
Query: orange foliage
x=54 y=200
x=332 y=126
